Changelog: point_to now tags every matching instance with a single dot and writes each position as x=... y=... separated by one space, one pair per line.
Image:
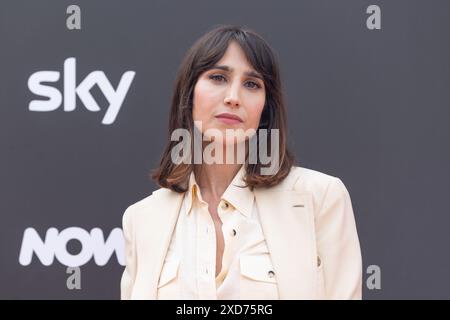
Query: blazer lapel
x=287 y=221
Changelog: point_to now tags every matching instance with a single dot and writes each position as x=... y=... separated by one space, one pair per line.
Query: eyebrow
x=229 y=69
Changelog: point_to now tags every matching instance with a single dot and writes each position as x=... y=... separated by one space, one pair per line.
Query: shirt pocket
x=168 y=284
x=257 y=277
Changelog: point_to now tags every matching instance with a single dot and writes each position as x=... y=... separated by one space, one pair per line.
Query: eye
x=217 y=77
x=254 y=85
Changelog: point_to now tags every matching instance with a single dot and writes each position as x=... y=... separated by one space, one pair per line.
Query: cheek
x=204 y=101
x=254 y=113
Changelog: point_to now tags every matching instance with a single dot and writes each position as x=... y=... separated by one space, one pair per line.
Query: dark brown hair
x=203 y=55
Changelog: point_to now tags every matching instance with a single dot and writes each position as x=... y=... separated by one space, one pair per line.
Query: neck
x=214 y=179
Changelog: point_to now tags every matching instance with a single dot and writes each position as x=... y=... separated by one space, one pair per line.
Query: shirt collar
x=236 y=194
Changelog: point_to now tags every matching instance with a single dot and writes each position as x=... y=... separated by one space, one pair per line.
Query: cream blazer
x=308 y=224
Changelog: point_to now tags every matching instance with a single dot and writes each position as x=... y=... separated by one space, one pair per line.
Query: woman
x=233 y=229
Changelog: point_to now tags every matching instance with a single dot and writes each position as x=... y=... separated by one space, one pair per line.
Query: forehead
x=235 y=57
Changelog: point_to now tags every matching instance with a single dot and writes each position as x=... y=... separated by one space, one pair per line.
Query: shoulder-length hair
x=202 y=56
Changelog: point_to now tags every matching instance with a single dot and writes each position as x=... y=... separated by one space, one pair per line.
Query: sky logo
x=115 y=97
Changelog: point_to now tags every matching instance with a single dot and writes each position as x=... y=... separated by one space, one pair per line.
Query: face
x=231 y=95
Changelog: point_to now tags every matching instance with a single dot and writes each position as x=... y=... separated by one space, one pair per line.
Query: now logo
x=115 y=97
x=93 y=244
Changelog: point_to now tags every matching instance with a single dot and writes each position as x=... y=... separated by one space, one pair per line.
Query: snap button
x=224 y=205
x=233 y=232
x=271 y=274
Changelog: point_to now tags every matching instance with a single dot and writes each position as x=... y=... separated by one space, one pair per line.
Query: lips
x=229 y=117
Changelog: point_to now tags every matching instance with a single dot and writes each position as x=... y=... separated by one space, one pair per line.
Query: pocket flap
x=257 y=267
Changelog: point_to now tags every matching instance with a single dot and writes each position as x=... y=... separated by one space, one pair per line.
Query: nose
x=231 y=102
x=232 y=98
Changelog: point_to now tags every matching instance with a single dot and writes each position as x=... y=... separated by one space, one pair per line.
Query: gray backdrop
x=368 y=106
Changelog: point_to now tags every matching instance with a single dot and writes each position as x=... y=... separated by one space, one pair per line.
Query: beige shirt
x=189 y=267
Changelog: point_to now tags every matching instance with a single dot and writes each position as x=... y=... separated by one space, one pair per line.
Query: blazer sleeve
x=338 y=244
x=129 y=274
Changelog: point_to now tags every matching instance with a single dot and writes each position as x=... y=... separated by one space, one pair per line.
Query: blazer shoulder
x=308 y=180
x=145 y=205
x=317 y=184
